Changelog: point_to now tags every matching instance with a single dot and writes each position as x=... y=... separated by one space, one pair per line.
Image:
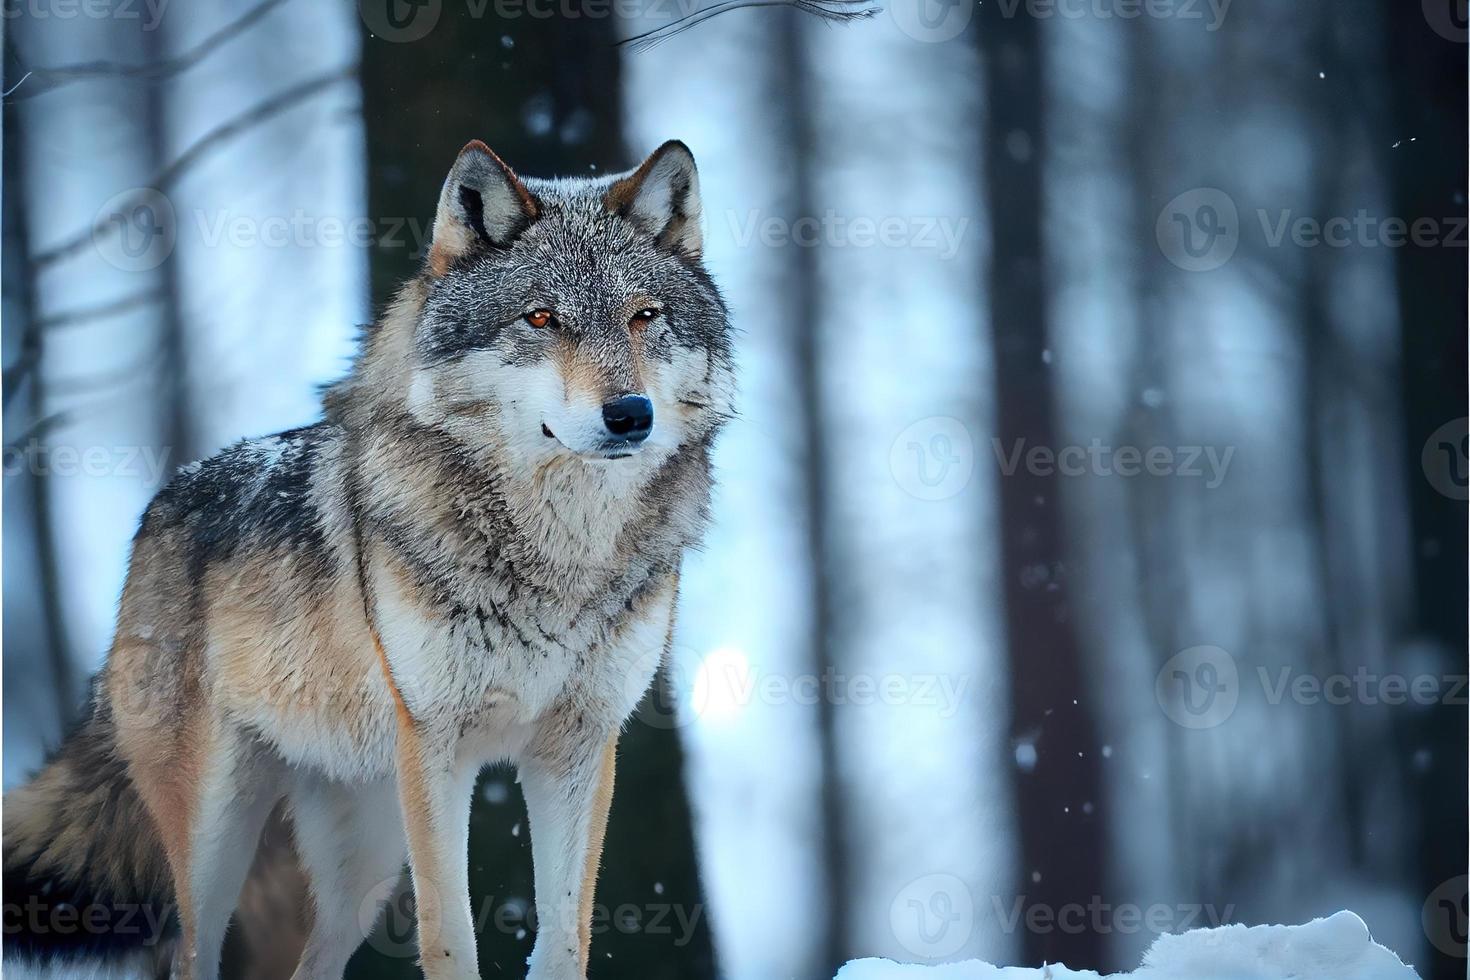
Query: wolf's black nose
x=629 y=418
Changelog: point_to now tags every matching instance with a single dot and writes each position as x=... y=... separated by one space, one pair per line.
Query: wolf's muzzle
x=629 y=418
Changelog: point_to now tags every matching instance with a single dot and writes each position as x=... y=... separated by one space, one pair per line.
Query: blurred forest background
x=926 y=683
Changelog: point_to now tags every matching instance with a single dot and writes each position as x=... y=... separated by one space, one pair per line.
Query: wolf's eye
x=540 y=318
x=643 y=318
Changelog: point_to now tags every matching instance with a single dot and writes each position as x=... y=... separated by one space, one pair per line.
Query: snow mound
x=1335 y=948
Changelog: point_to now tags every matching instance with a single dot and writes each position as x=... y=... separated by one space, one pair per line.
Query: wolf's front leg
x=434 y=790
x=567 y=778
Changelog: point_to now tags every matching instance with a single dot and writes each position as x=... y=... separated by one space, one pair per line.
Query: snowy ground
x=1336 y=948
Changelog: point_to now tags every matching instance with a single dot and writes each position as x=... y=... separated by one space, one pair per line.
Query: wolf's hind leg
x=230 y=810
x=351 y=843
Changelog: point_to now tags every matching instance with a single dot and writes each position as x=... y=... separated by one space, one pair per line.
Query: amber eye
x=540 y=318
x=643 y=318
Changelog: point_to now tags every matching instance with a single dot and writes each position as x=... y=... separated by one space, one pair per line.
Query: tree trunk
x=1422 y=139
x=1057 y=780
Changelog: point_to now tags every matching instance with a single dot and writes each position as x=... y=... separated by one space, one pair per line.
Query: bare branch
x=50 y=79
x=17 y=372
x=87 y=314
x=30 y=356
x=139 y=368
x=7 y=93
x=833 y=11
x=38 y=430
x=164 y=180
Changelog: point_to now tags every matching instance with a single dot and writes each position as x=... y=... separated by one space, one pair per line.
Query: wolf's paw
x=549 y=964
x=447 y=968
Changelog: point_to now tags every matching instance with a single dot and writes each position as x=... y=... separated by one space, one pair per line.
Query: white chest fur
x=491 y=670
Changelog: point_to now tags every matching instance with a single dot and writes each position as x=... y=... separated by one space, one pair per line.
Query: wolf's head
x=569 y=318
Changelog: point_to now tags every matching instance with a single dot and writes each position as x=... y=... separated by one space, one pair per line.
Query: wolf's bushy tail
x=85 y=875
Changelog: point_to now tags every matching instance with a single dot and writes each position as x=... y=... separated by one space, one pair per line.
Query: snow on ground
x=1336 y=948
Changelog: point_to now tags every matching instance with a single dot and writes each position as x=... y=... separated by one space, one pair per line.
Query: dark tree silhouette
x=1052 y=705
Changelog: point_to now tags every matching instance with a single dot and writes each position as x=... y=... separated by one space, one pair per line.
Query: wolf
x=473 y=557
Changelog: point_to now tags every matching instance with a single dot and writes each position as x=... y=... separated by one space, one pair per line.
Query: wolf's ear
x=662 y=197
x=483 y=203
